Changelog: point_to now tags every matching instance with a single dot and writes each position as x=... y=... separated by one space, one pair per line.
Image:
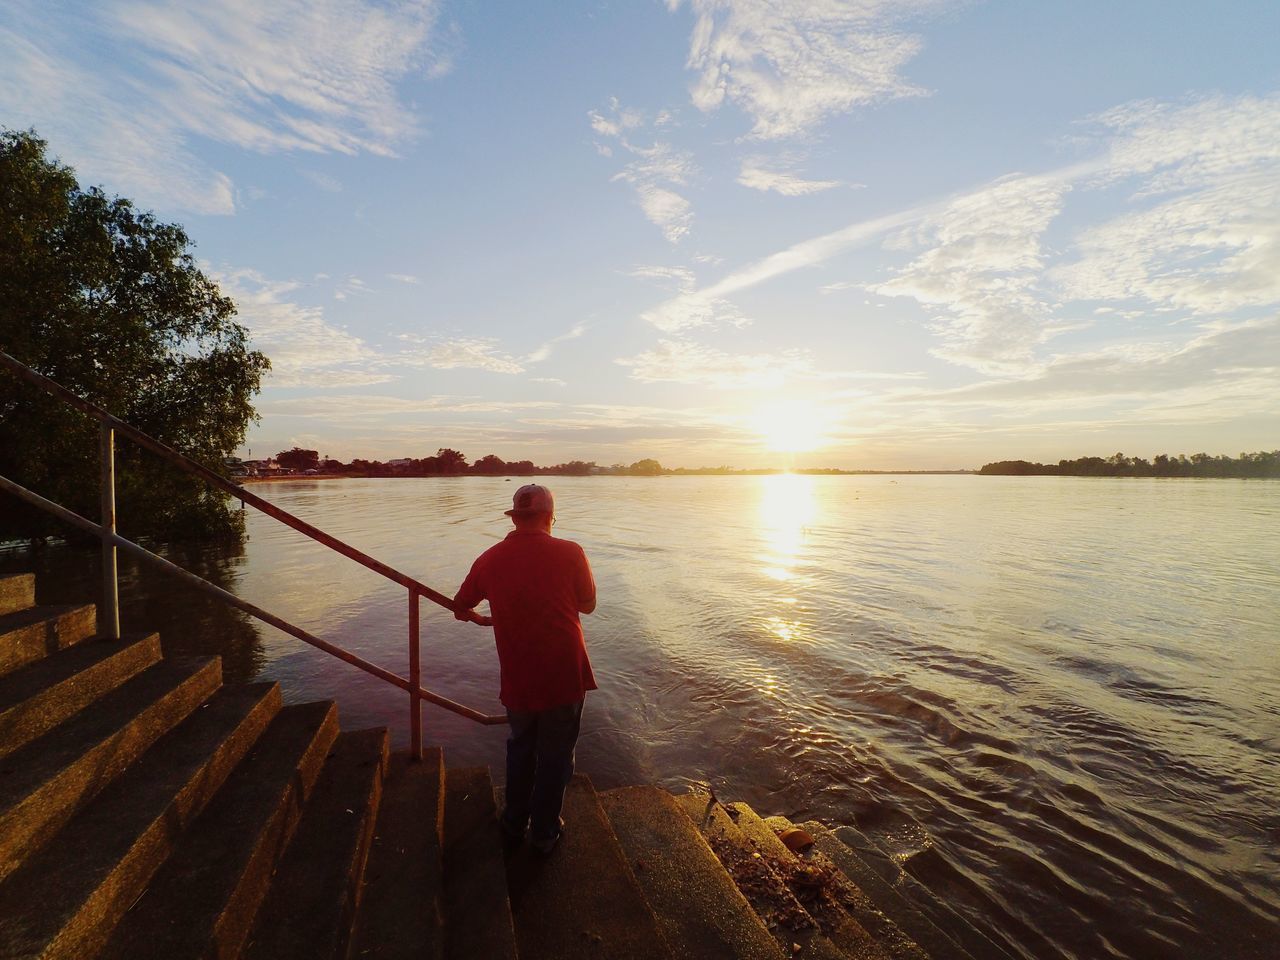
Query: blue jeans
x=539 y=765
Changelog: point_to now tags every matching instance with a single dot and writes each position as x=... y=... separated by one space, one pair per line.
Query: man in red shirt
x=536 y=585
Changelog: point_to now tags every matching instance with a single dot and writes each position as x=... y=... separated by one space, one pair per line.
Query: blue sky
x=866 y=234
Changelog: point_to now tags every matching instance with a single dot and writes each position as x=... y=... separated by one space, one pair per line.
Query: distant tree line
x=448 y=462
x=451 y=463
x=1262 y=464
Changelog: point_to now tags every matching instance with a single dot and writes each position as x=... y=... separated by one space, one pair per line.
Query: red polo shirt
x=534 y=583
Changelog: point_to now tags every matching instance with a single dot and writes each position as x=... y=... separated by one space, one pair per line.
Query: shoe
x=545 y=847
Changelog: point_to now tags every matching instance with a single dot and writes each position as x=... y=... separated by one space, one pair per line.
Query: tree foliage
x=298 y=459
x=108 y=301
x=1260 y=465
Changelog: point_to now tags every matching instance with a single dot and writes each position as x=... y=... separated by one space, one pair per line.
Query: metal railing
x=112 y=541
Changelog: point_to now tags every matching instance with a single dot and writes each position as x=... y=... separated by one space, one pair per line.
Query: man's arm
x=586 y=586
x=468 y=595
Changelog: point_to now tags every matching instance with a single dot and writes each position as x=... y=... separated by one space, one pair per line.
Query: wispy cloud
x=792 y=63
x=683 y=361
x=1225 y=370
x=475 y=353
x=758 y=174
x=1205 y=238
x=543 y=351
x=653 y=173
x=350 y=407
x=351 y=287
x=314 y=76
x=983 y=270
x=305 y=349
x=404 y=278
x=710 y=305
x=323 y=180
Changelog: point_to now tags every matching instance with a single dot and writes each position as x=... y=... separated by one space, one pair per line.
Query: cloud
x=404 y=278
x=681 y=277
x=1204 y=238
x=123 y=87
x=790 y=64
x=349 y=407
x=1206 y=177
x=653 y=172
x=682 y=361
x=709 y=305
x=542 y=352
x=756 y=175
x=475 y=353
x=1224 y=371
x=984 y=270
x=305 y=350
x=352 y=286
x=323 y=181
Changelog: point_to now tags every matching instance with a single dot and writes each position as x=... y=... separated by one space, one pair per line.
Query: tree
x=298 y=459
x=490 y=465
x=108 y=301
x=647 y=467
x=449 y=461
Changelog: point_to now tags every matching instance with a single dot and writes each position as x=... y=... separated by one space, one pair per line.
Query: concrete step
x=702 y=914
x=399 y=916
x=582 y=900
x=64 y=901
x=43 y=783
x=848 y=896
x=203 y=901
x=36 y=698
x=477 y=912
x=17 y=592
x=311 y=905
x=788 y=922
x=33 y=633
x=903 y=898
x=817 y=897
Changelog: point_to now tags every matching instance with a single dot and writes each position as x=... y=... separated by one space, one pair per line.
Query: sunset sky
x=916 y=234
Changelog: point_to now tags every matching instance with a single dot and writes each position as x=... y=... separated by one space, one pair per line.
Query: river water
x=1056 y=701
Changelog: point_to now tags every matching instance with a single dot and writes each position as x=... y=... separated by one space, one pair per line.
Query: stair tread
x=837 y=925
x=37 y=697
x=17 y=591
x=477 y=911
x=310 y=907
x=703 y=914
x=582 y=900
x=45 y=781
x=399 y=913
x=849 y=896
x=68 y=895
x=35 y=632
x=786 y=919
x=204 y=898
x=944 y=935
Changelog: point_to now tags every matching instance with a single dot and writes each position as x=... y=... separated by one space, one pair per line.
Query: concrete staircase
x=149 y=811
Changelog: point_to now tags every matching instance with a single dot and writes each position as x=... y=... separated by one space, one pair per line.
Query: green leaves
x=109 y=302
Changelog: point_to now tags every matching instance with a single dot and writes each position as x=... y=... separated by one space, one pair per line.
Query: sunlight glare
x=791 y=426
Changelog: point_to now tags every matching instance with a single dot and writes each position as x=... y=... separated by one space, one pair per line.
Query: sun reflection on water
x=787 y=509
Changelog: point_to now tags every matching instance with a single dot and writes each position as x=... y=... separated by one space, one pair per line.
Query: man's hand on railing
x=474 y=617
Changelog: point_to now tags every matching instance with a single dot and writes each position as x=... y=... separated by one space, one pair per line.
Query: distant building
x=263 y=468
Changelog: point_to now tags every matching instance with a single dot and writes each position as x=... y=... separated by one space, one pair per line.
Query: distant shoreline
x=287 y=478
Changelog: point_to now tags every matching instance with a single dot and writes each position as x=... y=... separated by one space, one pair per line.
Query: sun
x=791 y=426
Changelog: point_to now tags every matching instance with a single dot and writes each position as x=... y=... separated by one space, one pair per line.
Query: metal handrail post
x=415 y=678
x=110 y=620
